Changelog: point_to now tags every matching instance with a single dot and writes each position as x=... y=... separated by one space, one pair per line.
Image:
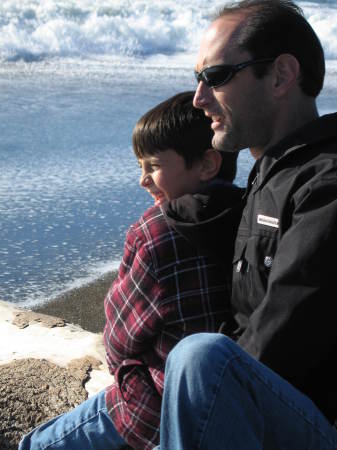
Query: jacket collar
x=322 y=129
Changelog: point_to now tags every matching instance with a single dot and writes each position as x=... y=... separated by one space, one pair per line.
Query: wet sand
x=83 y=306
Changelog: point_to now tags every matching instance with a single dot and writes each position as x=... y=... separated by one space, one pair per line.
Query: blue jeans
x=88 y=426
x=217 y=397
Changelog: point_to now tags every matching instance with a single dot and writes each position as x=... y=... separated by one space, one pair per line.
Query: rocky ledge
x=47 y=367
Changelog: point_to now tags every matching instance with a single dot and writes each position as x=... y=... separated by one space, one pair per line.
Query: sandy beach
x=83 y=306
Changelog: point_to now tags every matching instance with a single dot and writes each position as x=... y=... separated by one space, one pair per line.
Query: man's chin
x=221 y=142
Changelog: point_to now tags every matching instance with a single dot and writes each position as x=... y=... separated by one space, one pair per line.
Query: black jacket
x=209 y=219
x=284 y=295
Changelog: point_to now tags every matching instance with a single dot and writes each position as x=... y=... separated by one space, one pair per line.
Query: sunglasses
x=215 y=76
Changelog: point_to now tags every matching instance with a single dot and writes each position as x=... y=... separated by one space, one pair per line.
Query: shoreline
x=82 y=306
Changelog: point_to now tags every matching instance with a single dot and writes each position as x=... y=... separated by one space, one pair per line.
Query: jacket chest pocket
x=252 y=263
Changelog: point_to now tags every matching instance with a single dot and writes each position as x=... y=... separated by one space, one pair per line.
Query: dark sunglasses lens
x=216 y=75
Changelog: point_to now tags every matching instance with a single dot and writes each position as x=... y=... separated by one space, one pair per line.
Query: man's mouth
x=216 y=122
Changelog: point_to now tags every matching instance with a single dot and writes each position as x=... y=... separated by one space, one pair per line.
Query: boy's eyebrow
x=149 y=159
x=153 y=158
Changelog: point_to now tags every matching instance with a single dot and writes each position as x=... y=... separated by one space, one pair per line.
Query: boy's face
x=165 y=176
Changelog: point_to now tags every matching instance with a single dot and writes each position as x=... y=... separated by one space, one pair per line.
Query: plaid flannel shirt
x=165 y=290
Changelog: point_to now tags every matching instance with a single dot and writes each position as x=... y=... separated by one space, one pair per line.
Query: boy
x=166 y=288
x=169 y=284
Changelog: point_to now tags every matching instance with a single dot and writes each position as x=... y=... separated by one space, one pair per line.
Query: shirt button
x=268 y=261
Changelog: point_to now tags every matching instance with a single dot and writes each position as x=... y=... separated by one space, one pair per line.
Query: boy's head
x=173 y=144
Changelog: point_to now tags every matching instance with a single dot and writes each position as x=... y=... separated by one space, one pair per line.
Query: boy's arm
x=132 y=309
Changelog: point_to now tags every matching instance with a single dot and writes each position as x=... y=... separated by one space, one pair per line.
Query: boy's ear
x=210 y=164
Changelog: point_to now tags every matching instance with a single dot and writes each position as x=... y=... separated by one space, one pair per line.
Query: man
x=273 y=383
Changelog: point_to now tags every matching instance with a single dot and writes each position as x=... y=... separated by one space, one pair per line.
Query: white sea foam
x=33 y=30
x=92 y=273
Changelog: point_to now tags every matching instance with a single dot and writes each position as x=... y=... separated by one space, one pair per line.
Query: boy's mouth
x=158 y=197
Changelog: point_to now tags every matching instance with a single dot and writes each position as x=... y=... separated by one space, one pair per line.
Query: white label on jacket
x=269 y=221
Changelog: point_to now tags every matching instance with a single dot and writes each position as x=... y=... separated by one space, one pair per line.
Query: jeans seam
x=285 y=401
x=103 y=409
x=271 y=388
x=210 y=410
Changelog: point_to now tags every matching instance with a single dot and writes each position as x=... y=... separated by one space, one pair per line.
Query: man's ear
x=210 y=164
x=286 y=73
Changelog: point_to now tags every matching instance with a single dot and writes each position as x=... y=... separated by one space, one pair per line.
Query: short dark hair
x=177 y=125
x=274 y=27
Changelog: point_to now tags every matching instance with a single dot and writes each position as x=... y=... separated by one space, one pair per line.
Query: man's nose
x=201 y=96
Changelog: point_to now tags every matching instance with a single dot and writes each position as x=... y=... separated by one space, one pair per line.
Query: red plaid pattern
x=165 y=290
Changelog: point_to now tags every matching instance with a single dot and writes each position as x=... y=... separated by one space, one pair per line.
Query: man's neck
x=287 y=125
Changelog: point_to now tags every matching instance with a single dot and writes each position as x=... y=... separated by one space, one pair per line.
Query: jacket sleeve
x=294 y=330
x=132 y=311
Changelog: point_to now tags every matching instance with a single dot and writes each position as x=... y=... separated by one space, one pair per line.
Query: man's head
x=256 y=103
x=173 y=144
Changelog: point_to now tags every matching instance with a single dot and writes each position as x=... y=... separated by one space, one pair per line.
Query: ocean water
x=74 y=79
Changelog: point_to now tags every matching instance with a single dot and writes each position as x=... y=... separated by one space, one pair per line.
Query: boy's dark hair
x=177 y=125
x=273 y=27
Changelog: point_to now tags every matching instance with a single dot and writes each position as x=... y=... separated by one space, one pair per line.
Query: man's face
x=242 y=109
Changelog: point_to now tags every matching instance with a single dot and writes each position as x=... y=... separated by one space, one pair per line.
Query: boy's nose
x=145 y=180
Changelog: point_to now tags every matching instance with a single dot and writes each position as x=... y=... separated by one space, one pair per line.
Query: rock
x=22 y=319
x=47 y=367
x=33 y=391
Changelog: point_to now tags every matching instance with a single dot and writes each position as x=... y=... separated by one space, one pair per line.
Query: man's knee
x=200 y=352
